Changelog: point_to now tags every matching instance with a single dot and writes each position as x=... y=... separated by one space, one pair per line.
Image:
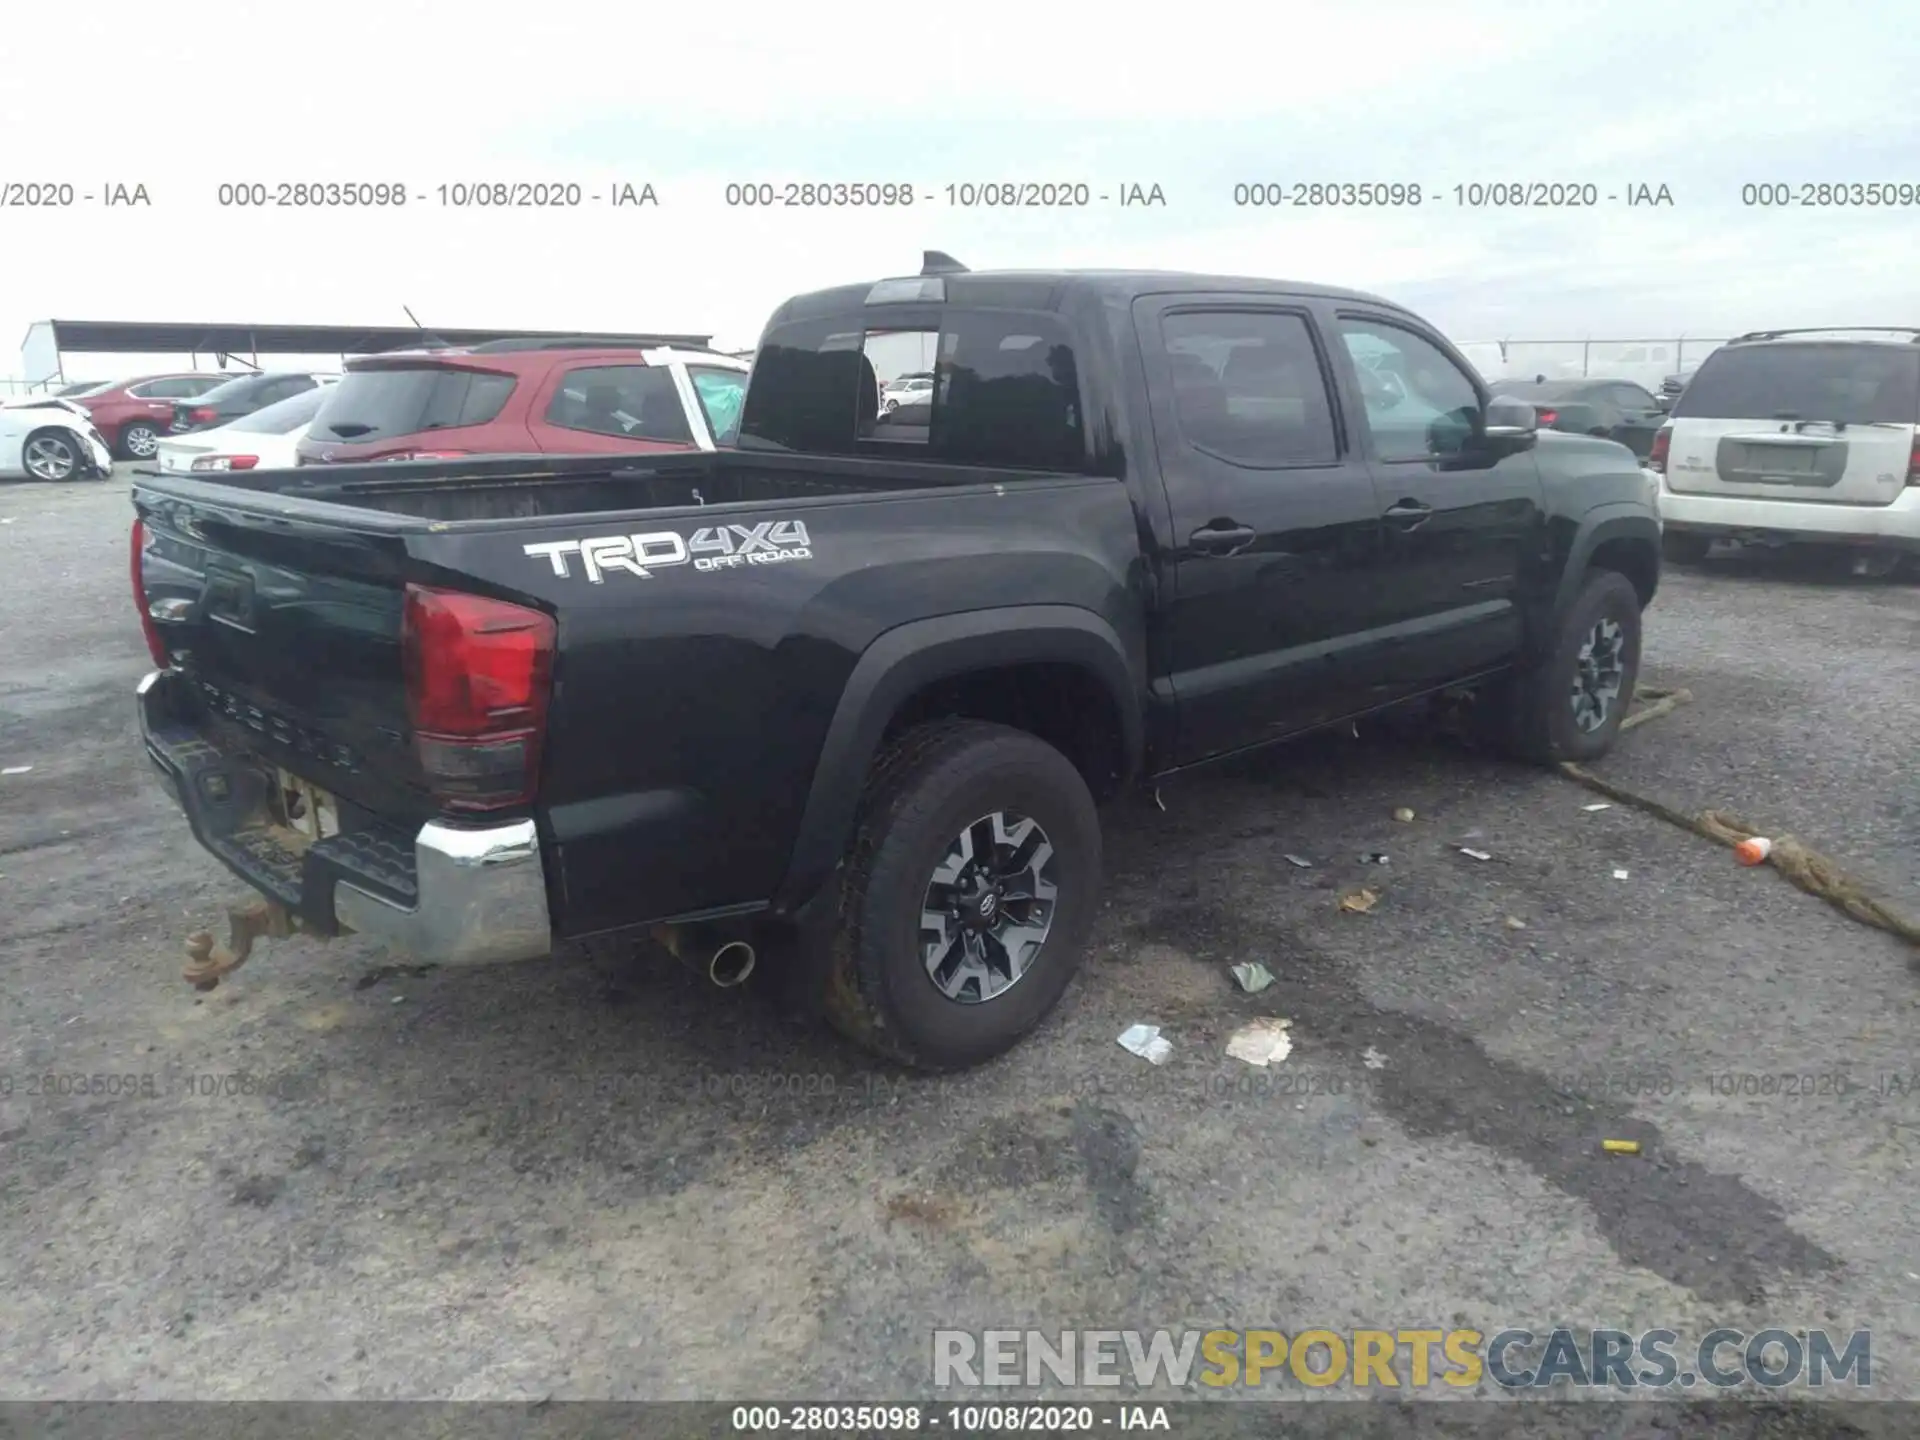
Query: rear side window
x=174 y=388
x=721 y=394
x=1248 y=388
x=378 y=404
x=1841 y=383
x=635 y=402
x=1004 y=390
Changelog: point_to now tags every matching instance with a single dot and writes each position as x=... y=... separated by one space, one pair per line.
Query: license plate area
x=1742 y=462
x=305 y=808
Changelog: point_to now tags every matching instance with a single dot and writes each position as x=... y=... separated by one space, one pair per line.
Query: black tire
x=924 y=791
x=1683 y=548
x=1542 y=719
x=45 y=442
x=127 y=445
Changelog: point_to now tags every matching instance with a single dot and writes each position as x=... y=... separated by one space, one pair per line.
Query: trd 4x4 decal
x=711 y=547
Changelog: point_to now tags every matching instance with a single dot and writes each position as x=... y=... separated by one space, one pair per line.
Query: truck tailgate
x=290 y=634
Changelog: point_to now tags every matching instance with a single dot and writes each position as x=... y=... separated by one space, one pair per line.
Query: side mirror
x=1511 y=426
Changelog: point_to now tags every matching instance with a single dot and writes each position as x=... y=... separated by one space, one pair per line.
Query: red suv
x=513 y=397
x=134 y=414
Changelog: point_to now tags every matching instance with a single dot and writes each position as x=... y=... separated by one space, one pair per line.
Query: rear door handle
x=1222 y=539
x=1410 y=515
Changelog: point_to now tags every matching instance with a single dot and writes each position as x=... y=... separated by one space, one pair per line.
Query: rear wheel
x=1683 y=548
x=50 y=455
x=139 y=440
x=1569 y=705
x=968 y=895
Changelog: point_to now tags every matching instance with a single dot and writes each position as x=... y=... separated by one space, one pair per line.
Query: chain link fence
x=1644 y=362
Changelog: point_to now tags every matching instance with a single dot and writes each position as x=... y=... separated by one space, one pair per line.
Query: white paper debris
x=1298 y=861
x=1147 y=1042
x=1619 y=874
x=1262 y=1043
x=16 y=770
x=1373 y=1059
x=1252 y=975
x=1475 y=854
x=1603 y=805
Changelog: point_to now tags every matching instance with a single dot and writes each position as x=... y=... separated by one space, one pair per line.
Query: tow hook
x=208 y=962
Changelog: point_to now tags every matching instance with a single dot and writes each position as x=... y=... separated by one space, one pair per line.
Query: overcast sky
x=1701 y=97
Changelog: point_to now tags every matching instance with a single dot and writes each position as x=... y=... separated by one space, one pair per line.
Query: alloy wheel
x=141 y=441
x=50 y=458
x=1598 y=671
x=988 y=908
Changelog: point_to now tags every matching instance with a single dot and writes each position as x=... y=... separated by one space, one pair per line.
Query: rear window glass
x=283 y=416
x=377 y=404
x=1005 y=390
x=1844 y=384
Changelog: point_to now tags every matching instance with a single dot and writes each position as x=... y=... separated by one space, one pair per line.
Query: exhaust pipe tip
x=732 y=963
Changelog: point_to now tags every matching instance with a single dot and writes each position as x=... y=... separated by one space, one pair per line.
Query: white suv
x=1797 y=435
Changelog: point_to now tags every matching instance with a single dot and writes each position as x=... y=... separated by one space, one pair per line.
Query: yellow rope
x=1805 y=867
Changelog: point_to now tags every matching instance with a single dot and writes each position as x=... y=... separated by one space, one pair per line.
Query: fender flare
x=1618 y=520
x=911 y=656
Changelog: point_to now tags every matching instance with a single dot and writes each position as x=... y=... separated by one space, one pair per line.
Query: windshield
x=283 y=416
x=1845 y=384
x=722 y=395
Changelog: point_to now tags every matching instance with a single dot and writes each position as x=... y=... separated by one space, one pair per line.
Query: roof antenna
x=938 y=262
x=433 y=340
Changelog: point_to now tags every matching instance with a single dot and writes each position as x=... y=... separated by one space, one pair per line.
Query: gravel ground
x=600 y=1178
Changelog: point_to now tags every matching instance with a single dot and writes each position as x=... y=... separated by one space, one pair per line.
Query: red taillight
x=156 y=647
x=478 y=675
x=202 y=414
x=1657 y=454
x=1547 y=417
x=226 y=462
x=1913 y=462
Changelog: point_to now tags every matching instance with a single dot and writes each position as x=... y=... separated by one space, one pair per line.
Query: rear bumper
x=446 y=894
x=1896 y=526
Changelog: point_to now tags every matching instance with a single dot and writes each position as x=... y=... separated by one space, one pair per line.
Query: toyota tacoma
x=847 y=697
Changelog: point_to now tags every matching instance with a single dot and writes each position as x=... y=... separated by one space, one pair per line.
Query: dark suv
x=528 y=397
x=240 y=396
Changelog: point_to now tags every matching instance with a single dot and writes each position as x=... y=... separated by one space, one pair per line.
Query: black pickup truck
x=850 y=693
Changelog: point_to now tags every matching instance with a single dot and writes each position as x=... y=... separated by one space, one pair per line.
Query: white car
x=264 y=440
x=906 y=390
x=1802 y=436
x=43 y=437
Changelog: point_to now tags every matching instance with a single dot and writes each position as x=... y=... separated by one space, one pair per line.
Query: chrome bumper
x=478 y=896
x=483 y=898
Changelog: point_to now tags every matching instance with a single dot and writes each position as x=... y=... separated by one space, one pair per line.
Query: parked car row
x=505 y=397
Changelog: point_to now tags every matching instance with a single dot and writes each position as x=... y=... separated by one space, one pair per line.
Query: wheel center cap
x=988 y=906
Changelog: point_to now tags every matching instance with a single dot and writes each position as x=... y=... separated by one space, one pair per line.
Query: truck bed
x=693 y=688
x=543 y=487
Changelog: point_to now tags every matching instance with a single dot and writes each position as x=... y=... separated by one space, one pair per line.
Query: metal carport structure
x=48 y=341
